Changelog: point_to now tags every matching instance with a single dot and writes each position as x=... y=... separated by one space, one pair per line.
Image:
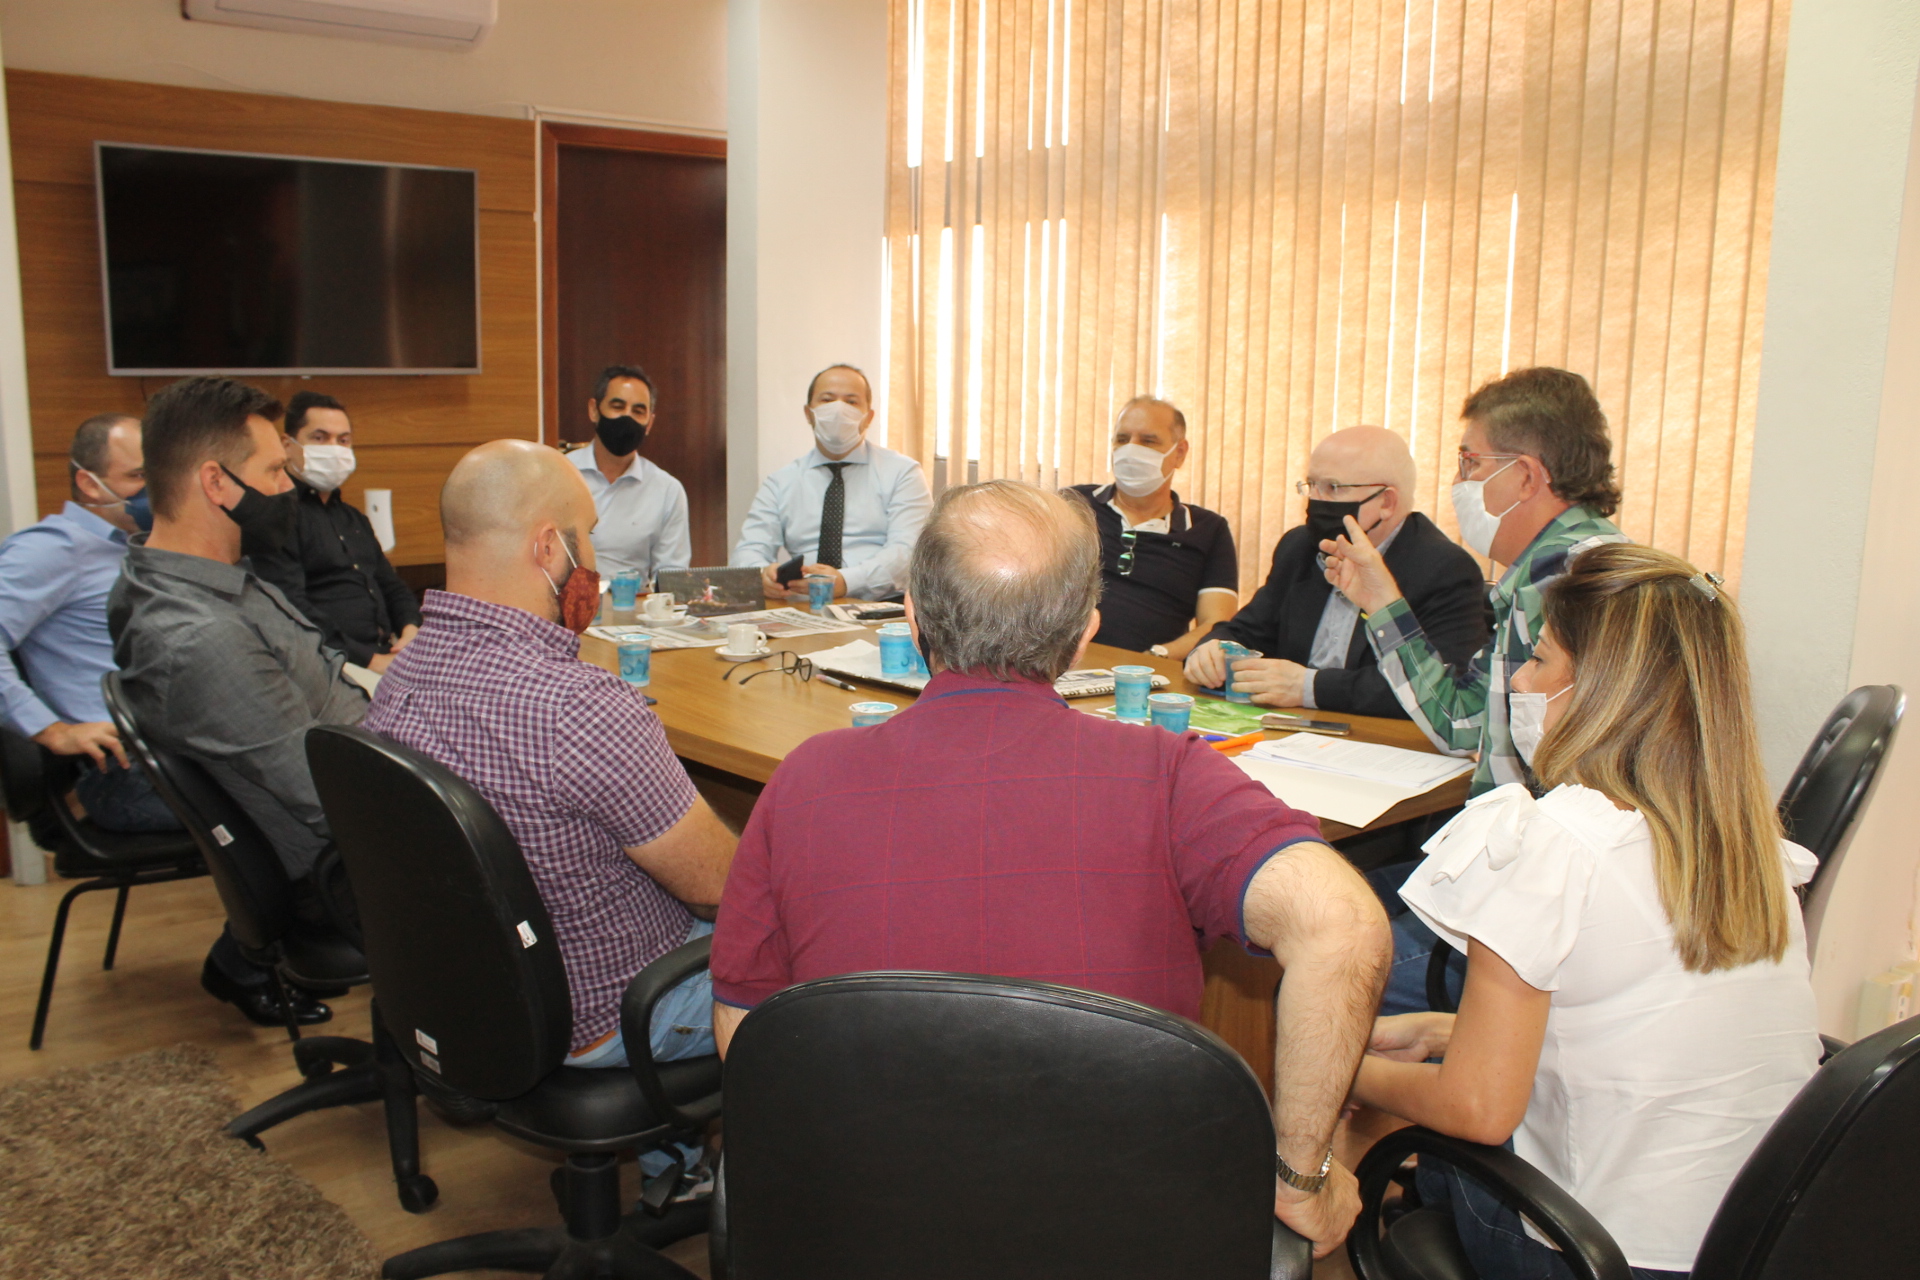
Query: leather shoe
x=259 y=1002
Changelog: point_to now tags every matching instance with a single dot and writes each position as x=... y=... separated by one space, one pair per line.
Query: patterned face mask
x=580 y=597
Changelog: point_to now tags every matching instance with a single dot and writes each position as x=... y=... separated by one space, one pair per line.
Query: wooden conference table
x=732 y=737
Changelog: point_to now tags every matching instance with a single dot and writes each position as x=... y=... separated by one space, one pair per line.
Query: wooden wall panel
x=410 y=429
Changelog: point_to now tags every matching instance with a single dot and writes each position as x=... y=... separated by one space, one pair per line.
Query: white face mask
x=1478 y=526
x=1527 y=718
x=326 y=466
x=1137 y=469
x=836 y=426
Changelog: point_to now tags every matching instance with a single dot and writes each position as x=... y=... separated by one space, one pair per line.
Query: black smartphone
x=787 y=572
x=1301 y=724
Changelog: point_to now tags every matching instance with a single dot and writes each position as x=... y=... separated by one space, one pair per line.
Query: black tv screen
x=220 y=262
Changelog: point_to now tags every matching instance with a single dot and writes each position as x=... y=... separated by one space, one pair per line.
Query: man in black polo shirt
x=1168 y=568
x=331 y=567
x=1316 y=654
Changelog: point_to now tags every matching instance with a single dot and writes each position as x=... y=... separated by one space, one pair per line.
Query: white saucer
x=727 y=656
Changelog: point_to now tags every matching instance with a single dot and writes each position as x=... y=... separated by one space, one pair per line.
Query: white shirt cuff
x=1306 y=690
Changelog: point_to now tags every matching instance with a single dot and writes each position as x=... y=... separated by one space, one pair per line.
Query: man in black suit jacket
x=1316 y=654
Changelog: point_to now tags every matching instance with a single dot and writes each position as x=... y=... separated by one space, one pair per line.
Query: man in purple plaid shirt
x=628 y=859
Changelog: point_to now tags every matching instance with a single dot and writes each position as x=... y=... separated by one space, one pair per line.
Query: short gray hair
x=1004 y=579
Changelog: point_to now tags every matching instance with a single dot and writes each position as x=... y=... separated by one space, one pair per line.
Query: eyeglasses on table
x=790 y=664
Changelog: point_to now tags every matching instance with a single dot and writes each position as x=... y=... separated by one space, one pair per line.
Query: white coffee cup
x=659 y=605
x=743 y=637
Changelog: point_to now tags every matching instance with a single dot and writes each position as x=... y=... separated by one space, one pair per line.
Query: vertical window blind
x=1291 y=216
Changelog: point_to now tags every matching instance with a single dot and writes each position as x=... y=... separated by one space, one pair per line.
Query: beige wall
x=806 y=194
x=658 y=61
x=1829 y=589
x=1870 y=919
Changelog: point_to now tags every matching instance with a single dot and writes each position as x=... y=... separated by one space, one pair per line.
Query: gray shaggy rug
x=121 y=1171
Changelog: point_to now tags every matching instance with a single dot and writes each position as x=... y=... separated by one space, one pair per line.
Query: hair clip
x=1708 y=584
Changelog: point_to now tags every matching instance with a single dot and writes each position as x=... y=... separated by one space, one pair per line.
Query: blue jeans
x=682 y=1022
x=1492 y=1234
x=682 y=1028
x=122 y=799
x=1413 y=945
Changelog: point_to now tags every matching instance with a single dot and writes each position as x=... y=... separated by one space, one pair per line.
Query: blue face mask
x=139 y=511
x=137 y=508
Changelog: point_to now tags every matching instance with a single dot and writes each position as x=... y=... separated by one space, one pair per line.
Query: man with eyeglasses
x=1535 y=489
x=1316 y=652
x=1168 y=569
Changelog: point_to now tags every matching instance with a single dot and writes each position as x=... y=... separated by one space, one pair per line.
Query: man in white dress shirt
x=847 y=508
x=643 y=510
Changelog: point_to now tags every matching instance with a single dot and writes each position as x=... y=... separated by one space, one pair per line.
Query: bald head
x=1363 y=455
x=506 y=489
x=516 y=517
x=1005 y=578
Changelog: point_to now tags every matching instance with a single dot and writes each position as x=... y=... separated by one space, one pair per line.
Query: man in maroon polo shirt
x=991 y=828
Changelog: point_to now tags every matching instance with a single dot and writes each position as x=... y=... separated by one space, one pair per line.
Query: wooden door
x=635 y=273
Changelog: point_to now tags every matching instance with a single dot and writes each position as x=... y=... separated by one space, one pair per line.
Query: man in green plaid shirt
x=1535 y=489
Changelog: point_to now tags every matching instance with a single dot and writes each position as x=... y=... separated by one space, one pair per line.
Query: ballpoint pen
x=839 y=684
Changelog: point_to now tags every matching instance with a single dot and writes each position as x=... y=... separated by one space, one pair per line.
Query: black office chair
x=1820 y=806
x=471 y=982
x=993 y=1127
x=259 y=899
x=1822 y=1195
x=33 y=784
x=1828 y=792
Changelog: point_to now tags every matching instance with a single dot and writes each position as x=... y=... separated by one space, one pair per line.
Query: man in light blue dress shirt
x=54 y=581
x=643 y=510
x=879 y=498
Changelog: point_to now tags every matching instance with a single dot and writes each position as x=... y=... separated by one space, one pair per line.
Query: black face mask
x=1326 y=519
x=265 y=520
x=621 y=435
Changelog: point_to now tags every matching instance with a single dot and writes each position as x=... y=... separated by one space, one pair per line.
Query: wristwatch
x=1306 y=1182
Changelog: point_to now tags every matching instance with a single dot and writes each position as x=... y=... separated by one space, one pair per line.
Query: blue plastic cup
x=636 y=660
x=897 y=654
x=819 y=592
x=626 y=589
x=1131 y=685
x=866 y=713
x=1232 y=651
x=1170 y=711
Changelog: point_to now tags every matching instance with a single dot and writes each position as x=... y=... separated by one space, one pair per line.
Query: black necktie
x=833 y=516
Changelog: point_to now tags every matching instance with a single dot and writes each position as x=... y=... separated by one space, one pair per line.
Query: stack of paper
x=1345 y=781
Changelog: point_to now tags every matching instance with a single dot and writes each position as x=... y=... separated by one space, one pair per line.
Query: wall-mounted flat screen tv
x=221 y=262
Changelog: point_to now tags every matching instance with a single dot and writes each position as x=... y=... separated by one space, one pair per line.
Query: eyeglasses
x=1124 y=565
x=791 y=664
x=1332 y=490
x=1470 y=462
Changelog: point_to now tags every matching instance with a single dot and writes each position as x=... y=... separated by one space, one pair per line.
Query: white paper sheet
x=861 y=658
x=1372 y=761
x=1332 y=797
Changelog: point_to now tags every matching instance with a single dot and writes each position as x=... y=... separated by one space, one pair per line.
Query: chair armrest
x=335 y=891
x=1439 y=999
x=1292 y=1256
x=636 y=1028
x=1584 y=1244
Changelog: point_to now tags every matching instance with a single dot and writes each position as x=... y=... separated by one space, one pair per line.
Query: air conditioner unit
x=435 y=24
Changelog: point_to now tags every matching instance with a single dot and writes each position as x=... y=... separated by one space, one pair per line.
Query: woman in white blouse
x=1637 y=1008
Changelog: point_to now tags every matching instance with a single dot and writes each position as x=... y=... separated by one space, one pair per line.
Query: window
x=1292 y=217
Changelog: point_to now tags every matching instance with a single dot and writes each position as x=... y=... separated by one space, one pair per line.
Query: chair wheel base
x=418 y=1193
x=627 y=1254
